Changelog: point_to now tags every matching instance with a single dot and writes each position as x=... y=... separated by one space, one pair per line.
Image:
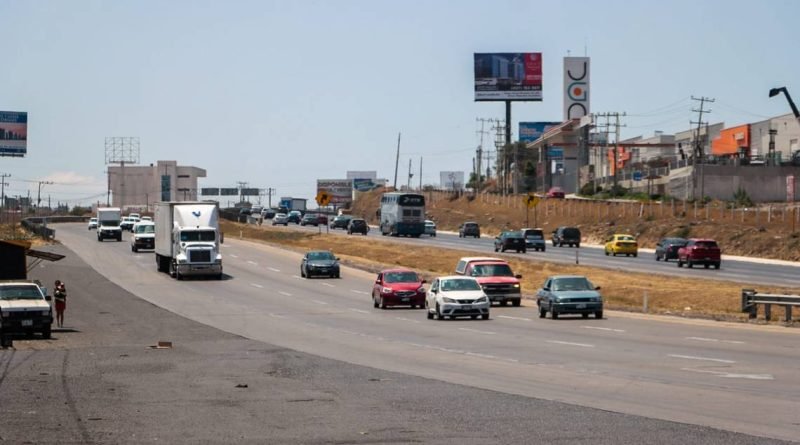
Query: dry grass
x=622 y=290
x=17 y=232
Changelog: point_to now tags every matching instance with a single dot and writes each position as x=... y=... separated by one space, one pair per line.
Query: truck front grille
x=199 y=256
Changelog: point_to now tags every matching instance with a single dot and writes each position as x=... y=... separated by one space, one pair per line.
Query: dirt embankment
x=765 y=232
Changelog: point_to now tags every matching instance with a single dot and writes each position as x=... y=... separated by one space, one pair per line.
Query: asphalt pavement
x=99 y=381
x=693 y=372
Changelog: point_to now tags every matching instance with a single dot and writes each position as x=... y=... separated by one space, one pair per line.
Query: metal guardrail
x=751 y=299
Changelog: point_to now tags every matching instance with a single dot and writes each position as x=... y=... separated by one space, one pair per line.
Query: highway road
x=737 y=378
x=772 y=273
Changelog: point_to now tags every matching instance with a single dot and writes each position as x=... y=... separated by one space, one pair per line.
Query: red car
x=398 y=287
x=700 y=251
x=556 y=192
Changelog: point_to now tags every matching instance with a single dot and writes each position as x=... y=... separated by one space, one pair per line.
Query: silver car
x=456 y=296
x=430 y=227
x=280 y=218
x=92 y=223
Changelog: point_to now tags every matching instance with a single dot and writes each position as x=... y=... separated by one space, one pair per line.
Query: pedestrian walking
x=60 y=295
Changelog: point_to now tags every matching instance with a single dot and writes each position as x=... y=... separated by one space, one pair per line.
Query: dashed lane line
x=514 y=318
x=287 y=294
x=603 y=329
x=477 y=331
x=707 y=359
x=715 y=340
x=569 y=343
x=257 y=285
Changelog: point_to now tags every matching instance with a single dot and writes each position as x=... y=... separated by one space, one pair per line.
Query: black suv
x=309 y=220
x=357 y=225
x=341 y=222
x=469 y=229
x=570 y=236
x=510 y=241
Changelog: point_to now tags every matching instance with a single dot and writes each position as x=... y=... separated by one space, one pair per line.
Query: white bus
x=402 y=214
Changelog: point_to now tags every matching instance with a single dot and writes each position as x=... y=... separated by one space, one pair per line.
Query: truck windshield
x=146 y=228
x=492 y=270
x=20 y=293
x=198 y=235
x=109 y=222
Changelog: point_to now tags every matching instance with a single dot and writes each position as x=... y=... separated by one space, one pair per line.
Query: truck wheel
x=542 y=312
x=47 y=333
x=598 y=314
x=680 y=263
x=689 y=264
x=134 y=249
x=716 y=266
x=516 y=303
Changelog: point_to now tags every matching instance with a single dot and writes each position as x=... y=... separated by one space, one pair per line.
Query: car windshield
x=430 y=224
x=571 y=284
x=571 y=233
x=534 y=234
x=146 y=228
x=470 y=225
x=492 y=270
x=320 y=256
x=93 y=220
x=401 y=277
x=358 y=222
x=198 y=235
x=512 y=235
x=22 y=292
x=459 y=285
x=626 y=238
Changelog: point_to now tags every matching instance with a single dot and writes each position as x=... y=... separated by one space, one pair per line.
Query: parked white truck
x=108 y=220
x=188 y=239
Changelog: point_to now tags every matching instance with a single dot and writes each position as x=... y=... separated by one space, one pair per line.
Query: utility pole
x=242 y=186
x=397 y=161
x=699 y=150
x=39 y=194
x=408 y=186
x=616 y=124
x=420 y=173
x=479 y=153
x=3 y=194
x=270 y=192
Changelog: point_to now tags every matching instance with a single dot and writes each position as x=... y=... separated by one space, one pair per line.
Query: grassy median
x=622 y=290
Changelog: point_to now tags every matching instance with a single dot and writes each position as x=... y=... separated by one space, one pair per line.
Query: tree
x=530 y=176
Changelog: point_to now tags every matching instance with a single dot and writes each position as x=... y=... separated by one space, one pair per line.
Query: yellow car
x=622 y=244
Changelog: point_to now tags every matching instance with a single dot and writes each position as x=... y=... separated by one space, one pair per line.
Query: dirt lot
x=622 y=290
x=764 y=232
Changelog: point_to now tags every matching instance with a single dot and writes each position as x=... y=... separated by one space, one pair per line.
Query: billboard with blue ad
x=13 y=133
x=530 y=131
x=508 y=76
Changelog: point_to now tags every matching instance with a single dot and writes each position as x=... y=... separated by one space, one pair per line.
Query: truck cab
x=497 y=279
x=187 y=239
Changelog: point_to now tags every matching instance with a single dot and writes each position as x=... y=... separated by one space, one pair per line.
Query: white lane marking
x=233 y=256
x=731 y=375
x=328 y=284
x=319 y=302
x=253 y=263
x=257 y=285
x=276 y=316
x=714 y=340
x=274 y=269
x=603 y=329
x=360 y=311
x=514 y=318
x=285 y=293
x=568 y=343
x=407 y=319
x=478 y=331
x=359 y=292
x=297 y=277
x=707 y=359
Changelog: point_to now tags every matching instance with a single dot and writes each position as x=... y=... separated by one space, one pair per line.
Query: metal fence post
x=788 y=313
x=767 y=312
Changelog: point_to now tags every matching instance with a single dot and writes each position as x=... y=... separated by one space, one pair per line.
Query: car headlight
x=181 y=260
x=449 y=300
x=421 y=289
x=386 y=290
x=482 y=300
x=516 y=286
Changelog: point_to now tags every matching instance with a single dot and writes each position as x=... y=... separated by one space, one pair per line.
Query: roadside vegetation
x=622 y=290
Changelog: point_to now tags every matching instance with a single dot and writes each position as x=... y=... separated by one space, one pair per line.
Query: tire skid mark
x=71 y=401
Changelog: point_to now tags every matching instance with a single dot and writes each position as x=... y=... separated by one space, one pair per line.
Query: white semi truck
x=108 y=219
x=188 y=239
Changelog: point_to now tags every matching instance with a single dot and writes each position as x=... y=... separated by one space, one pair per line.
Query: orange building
x=732 y=142
x=623 y=156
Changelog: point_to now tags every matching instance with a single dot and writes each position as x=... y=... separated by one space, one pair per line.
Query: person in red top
x=60 y=296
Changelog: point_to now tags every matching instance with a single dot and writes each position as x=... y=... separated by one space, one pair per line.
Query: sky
x=279 y=94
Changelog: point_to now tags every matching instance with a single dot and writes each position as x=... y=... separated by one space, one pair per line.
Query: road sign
x=323 y=198
x=531 y=200
x=637 y=176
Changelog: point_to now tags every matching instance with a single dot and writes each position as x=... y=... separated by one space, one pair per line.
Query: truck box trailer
x=188 y=239
x=108 y=223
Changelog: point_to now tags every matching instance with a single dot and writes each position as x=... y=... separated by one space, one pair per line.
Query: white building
x=138 y=186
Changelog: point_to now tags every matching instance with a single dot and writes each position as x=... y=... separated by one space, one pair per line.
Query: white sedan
x=92 y=223
x=456 y=296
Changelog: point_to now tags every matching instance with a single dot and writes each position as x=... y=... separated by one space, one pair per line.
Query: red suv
x=398 y=287
x=700 y=251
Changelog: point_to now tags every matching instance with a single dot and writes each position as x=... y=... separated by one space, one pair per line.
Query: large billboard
x=365 y=184
x=209 y=191
x=576 y=87
x=451 y=180
x=340 y=190
x=13 y=133
x=531 y=131
x=508 y=76
x=230 y=191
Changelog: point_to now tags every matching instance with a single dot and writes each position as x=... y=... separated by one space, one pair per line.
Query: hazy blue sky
x=280 y=93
